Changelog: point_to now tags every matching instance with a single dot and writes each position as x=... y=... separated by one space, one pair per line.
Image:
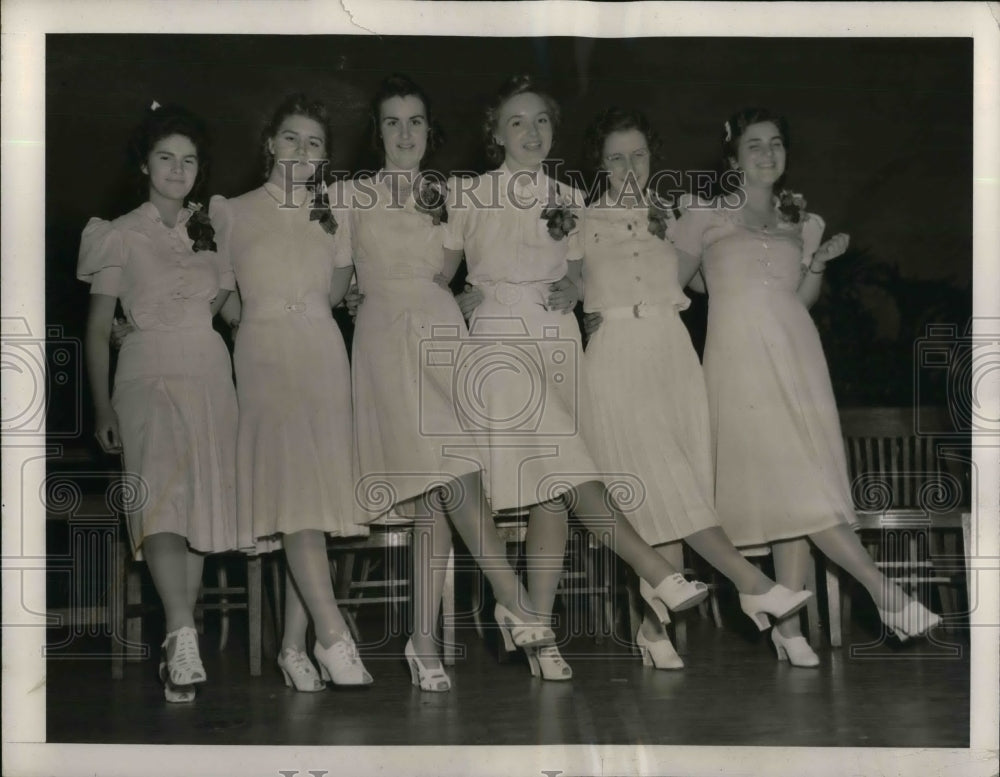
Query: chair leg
x=254 y=597
x=116 y=611
x=967 y=553
x=278 y=594
x=222 y=580
x=812 y=606
x=833 y=600
x=479 y=580
x=713 y=598
x=133 y=624
x=949 y=597
x=448 y=611
x=681 y=635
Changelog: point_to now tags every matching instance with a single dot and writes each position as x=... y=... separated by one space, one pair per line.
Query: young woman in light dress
x=516 y=226
x=172 y=413
x=414 y=457
x=644 y=409
x=780 y=469
x=295 y=452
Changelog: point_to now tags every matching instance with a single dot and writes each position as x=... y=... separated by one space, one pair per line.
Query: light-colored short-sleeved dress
x=295 y=458
x=780 y=467
x=519 y=378
x=406 y=339
x=645 y=411
x=173 y=387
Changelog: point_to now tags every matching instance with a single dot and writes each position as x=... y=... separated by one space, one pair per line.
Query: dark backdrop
x=881 y=135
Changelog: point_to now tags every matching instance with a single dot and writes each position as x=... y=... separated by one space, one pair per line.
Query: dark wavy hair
x=297 y=104
x=399 y=85
x=615 y=119
x=512 y=87
x=738 y=124
x=162 y=122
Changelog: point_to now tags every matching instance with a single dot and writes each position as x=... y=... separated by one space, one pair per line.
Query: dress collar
x=300 y=196
x=151 y=212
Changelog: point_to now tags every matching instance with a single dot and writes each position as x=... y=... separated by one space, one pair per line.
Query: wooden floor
x=733 y=692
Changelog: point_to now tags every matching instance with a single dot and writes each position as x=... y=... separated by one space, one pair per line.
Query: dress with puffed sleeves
x=173 y=388
x=779 y=458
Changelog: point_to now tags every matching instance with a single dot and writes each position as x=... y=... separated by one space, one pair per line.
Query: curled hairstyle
x=512 y=87
x=160 y=123
x=297 y=104
x=738 y=124
x=735 y=127
x=399 y=85
x=613 y=120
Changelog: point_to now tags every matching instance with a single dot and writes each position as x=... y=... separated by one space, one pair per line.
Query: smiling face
x=760 y=154
x=404 y=128
x=524 y=130
x=626 y=155
x=298 y=145
x=172 y=167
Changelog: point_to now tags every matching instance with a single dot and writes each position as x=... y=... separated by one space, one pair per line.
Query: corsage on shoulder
x=661 y=213
x=430 y=199
x=559 y=215
x=200 y=229
x=320 y=210
x=790 y=206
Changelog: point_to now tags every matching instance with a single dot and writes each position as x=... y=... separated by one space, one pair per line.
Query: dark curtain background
x=881 y=146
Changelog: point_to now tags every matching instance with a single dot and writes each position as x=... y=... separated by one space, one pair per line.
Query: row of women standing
x=296 y=464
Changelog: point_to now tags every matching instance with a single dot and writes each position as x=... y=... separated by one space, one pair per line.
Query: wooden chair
x=911 y=494
x=106 y=583
x=375 y=570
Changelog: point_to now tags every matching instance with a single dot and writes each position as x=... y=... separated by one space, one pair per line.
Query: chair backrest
x=893 y=467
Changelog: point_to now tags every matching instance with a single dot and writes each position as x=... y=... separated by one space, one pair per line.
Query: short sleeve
x=102 y=257
x=221 y=216
x=812 y=235
x=458 y=213
x=687 y=233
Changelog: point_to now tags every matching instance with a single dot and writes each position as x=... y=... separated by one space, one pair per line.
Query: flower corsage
x=660 y=213
x=430 y=199
x=559 y=217
x=790 y=206
x=200 y=229
x=320 y=210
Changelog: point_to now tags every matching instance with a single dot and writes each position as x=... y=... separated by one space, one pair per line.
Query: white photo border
x=25 y=26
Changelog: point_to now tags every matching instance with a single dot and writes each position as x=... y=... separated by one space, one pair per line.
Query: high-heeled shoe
x=659 y=653
x=424 y=678
x=299 y=671
x=182 y=657
x=518 y=634
x=911 y=621
x=546 y=661
x=779 y=602
x=175 y=694
x=795 y=650
x=341 y=664
x=674 y=592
